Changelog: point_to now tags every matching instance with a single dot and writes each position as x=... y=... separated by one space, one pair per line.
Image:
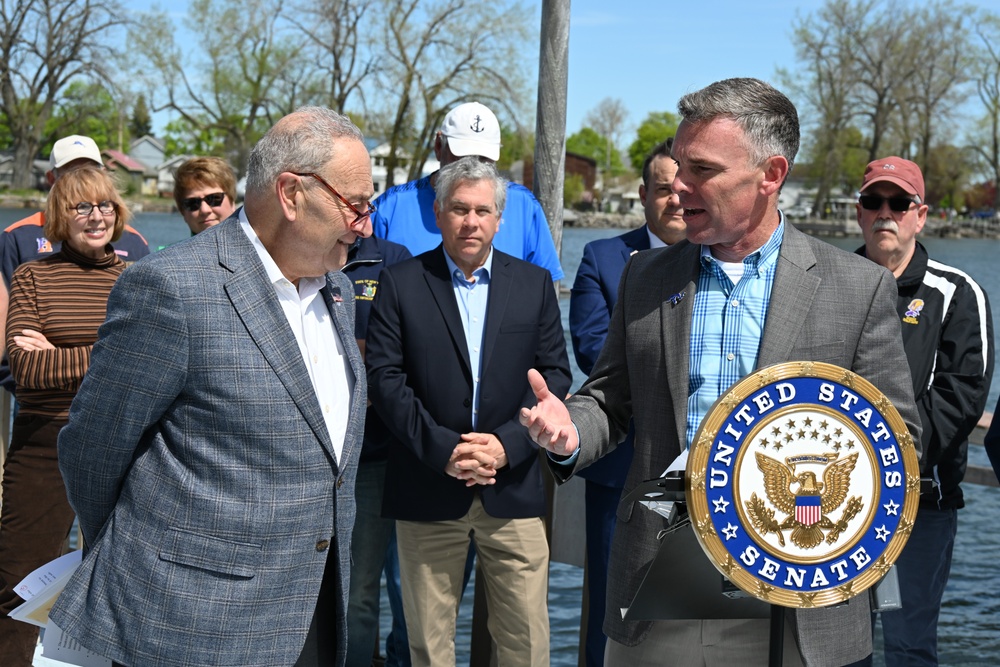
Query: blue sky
x=649 y=53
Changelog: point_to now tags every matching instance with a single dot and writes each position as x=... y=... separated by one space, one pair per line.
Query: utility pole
x=550 y=123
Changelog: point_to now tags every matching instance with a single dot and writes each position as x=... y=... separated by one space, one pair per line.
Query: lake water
x=969 y=632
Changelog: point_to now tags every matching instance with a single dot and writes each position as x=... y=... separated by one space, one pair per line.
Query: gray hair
x=768 y=118
x=299 y=142
x=466 y=169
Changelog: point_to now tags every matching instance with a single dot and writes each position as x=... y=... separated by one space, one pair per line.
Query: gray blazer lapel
x=792 y=297
x=254 y=300
x=680 y=281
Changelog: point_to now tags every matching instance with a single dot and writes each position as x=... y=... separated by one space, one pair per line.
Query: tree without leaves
x=890 y=70
x=608 y=118
x=342 y=60
x=987 y=76
x=439 y=55
x=826 y=87
x=937 y=87
x=885 y=60
x=44 y=45
x=233 y=86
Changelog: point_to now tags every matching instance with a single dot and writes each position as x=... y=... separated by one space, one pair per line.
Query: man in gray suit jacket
x=212 y=448
x=746 y=290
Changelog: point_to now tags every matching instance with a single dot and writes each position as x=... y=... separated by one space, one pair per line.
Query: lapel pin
x=675 y=299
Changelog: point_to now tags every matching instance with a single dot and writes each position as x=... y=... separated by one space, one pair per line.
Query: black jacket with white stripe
x=948 y=337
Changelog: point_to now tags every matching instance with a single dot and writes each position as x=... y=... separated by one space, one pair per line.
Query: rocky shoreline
x=140 y=205
x=959 y=228
x=977 y=228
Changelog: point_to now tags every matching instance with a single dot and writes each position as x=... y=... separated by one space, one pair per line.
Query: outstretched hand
x=549 y=423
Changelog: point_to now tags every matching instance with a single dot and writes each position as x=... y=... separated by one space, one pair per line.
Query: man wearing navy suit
x=212 y=448
x=595 y=292
x=451 y=337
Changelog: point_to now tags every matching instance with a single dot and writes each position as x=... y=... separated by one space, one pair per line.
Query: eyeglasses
x=874 y=203
x=85 y=208
x=194 y=203
x=361 y=215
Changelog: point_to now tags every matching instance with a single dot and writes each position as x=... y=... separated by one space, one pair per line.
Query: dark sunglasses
x=874 y=203
x=194 y=203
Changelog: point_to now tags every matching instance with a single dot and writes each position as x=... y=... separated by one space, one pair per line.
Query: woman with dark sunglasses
x=205 y=192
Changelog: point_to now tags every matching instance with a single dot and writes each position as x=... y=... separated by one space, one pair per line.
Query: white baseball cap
x=472 y=129
x=72 y=148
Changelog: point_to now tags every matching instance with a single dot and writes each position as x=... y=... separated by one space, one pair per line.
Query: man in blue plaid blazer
x=212 y=448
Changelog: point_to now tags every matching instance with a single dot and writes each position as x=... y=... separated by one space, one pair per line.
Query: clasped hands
x=477 y=458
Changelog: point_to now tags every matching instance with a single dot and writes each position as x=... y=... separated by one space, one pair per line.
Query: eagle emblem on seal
x=806 y=501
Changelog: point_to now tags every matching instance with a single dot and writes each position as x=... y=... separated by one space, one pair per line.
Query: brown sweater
x=65 y=297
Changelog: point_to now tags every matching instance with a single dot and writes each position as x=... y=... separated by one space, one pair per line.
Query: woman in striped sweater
x=56 y=306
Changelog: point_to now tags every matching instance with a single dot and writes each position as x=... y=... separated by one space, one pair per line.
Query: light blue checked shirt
x=472 y=298
x=726 y=325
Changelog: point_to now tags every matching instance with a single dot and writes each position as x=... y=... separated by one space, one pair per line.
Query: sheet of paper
x=46 y=574
x=52 y=582
x=59 y=646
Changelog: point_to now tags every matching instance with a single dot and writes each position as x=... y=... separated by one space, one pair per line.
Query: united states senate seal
x=802 y=484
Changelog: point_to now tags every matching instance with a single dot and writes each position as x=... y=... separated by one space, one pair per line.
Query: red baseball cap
x=895 y=170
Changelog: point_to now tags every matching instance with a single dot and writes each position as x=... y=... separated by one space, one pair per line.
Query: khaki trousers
x=513 y=557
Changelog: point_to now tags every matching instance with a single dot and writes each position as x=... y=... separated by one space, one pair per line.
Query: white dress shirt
x=320 y=345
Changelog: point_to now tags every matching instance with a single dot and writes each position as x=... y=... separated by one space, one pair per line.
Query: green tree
x=608 y=119
x=514 y=146
x=85 y=108
x=141 y=123
x=573 y=189
x=183 y=138
x=589 y=143
x=658 y=126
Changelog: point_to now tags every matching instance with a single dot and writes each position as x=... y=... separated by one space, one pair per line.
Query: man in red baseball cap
x=948 y=339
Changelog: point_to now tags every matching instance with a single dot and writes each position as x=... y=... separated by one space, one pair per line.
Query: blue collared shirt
x=727 y=323
x=472 y=298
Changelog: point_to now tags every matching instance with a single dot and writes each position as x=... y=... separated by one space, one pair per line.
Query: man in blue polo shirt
x=25 y=240
x=406 y=212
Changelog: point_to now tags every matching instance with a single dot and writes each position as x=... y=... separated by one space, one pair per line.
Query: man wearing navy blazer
x=595 y=292
x=212 y=449
x=451 y=337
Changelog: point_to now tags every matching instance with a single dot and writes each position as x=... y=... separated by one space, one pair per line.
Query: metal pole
x=775 y=656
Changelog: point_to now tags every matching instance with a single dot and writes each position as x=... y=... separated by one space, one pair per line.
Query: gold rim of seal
x=698 y=504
